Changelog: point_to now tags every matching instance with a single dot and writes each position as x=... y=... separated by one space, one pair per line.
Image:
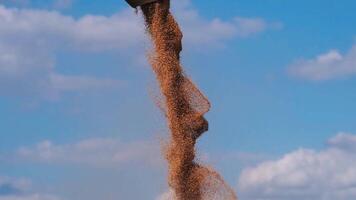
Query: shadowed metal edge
x=136 y=3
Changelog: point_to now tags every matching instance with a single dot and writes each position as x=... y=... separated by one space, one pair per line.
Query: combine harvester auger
x=136 y=3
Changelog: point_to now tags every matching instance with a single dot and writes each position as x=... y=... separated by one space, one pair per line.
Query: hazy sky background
x=78 y=119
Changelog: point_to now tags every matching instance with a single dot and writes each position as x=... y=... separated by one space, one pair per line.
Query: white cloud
x=199 y=31
x=50 y=29
x=10 y=186
x=19 y=189
x=305 y=174
x=119 y=31
x=30 y=197
x=30 y=40
x=98 y=152
x=344 y=141
x=331 y=65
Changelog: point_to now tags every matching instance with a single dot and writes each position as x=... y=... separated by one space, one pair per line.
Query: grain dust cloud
x=185 y=107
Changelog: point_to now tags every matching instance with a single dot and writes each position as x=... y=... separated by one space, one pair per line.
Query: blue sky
x=78 y=116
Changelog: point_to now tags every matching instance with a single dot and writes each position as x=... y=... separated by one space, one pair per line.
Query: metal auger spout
x=136 y=3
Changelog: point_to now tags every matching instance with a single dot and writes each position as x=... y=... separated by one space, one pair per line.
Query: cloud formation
x=305 y=174
x=30 y=40
x=97 y=152
x=19 y=189
x=200 y=31
x=327 y=66
x=30 y=197
x=9 y=186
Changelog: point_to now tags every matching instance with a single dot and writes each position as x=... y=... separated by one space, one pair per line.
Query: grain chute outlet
x=136 y=3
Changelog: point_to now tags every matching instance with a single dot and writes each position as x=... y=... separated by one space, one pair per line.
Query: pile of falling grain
x=185 y=106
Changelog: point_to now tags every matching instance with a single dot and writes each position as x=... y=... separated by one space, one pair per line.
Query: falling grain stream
x=185 y=107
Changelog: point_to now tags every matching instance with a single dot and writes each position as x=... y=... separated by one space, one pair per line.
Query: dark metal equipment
x=136 y=3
